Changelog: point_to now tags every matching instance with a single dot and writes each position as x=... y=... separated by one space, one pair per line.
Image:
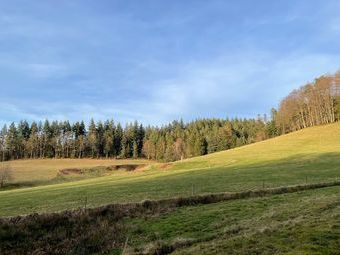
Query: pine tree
x=92 y=138
x=33 y=141
x=108 y=139
x=135 y=153
x=118 y=135
x=12 y=141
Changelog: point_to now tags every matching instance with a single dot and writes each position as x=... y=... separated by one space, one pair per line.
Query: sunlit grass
x=310 y=155
x=47 y=169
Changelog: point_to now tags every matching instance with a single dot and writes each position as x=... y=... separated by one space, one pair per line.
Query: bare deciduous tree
x=5 y=174
x=313 y=104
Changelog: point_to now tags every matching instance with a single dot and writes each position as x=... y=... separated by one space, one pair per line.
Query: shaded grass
x=300 y=223
x=64 y=233
x=105 y=228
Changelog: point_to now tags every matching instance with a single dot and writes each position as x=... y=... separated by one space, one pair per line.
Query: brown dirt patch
x=165 y=166
x=127 y=167
x=68 y=171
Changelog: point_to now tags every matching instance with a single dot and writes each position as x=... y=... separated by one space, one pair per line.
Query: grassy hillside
x=309 y=155
x=28 y=173
x=298 y=146
x=303 y=221
x=47 y=169
x=300 y=223
x=39 y=172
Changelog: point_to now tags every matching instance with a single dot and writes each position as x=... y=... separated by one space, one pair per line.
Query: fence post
x=85 y=204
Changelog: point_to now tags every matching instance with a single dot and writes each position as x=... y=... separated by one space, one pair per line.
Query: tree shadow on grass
x=297 y=169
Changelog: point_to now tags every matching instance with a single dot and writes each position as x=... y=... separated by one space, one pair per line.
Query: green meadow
x=299 y=223
x=309 y=155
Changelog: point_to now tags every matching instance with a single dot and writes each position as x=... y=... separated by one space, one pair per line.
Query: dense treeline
x=314 y=104
x=171 y=142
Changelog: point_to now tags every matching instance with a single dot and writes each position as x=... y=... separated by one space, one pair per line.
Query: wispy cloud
x=159 y=62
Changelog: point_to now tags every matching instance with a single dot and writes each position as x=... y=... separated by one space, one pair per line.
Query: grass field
x=310 y=155
x=47 y=169
x=302 y=219
x=300 y=223
x=304 y=222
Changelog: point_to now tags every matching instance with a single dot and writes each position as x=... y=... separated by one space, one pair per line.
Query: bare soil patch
x=78 y=171
x=165 y=166
x=68 y=171
x=126 y=167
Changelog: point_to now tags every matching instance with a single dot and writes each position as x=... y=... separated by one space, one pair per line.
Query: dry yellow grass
x=294 y=146
x=47 y=169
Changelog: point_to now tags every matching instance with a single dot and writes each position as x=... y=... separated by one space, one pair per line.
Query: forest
x=107 y=139
x=316 y=103
x=313 y=104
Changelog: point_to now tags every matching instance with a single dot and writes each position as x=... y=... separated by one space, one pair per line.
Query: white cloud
x=237 y=85
x=242 y=81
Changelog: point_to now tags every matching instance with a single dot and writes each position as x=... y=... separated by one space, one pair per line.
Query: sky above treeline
x=156 y=61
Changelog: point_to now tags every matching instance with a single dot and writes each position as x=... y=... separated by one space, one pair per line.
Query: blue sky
x=155 y=61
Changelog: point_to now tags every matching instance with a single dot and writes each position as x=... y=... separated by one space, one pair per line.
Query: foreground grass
x=310 y=155
x=301 y=223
